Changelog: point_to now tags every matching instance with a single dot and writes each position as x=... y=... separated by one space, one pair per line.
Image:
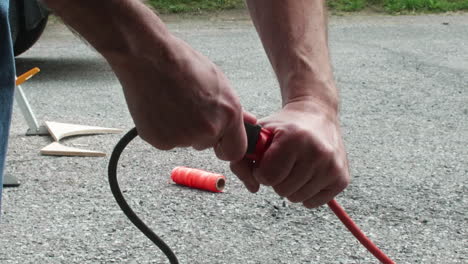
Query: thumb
x=243 y=170
x=249 y=118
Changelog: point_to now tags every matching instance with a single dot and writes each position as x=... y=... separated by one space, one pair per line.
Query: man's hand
x=306 y=161
x=187 y=102
x=176 y=96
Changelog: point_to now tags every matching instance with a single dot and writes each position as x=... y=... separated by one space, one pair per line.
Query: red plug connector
x=259 y=139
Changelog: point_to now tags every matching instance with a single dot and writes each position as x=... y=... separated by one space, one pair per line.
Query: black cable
x=114 y=185
x=253 y=133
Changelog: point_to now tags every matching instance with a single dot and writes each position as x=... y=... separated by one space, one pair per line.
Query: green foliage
x=347 y=5
x=399 y=6
x=394 y=6
x=391 y=6
x=183 y=6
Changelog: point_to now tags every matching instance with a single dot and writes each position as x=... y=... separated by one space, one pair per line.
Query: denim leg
x=7 y=84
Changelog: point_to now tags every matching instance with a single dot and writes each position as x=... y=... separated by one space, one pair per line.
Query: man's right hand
x=176 y=96
x=186 y=101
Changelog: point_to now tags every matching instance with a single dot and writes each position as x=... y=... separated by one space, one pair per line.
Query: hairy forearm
x=116 y=28
x=294 y=34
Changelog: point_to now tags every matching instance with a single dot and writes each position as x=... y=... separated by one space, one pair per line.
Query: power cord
x=114 y=185
x=259 y=140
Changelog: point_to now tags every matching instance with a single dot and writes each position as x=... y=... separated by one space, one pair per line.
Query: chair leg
x=10 y=181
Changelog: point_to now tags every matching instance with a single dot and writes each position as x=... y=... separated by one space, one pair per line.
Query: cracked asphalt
x=404 y=110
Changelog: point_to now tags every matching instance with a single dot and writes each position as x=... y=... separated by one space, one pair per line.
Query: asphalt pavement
x=404 y=111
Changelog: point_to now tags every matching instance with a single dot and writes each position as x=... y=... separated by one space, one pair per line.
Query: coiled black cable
x=114 y=185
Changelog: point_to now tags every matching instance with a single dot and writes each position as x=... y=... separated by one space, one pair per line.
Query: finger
x=328 y=193
x=205 y=143
x=309 y=190
x=276 y=163
x=162 y=142
x=300 y=174
x=249 y=118
x=243 y=170
x=233 y=144
x=318 y=181
x=200 y=147
x=321 y=198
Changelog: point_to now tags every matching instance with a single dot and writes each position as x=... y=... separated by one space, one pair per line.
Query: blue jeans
x=7 y=85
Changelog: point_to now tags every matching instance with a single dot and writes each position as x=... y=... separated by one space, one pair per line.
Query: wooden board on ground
x=62 y=130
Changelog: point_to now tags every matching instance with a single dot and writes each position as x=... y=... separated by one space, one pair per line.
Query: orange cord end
x=199 y=179
x=26 y=76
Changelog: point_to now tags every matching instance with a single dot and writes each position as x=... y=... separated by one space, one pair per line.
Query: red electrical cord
x=263 y=139
x=200 y=179
x=354 y=229
x=260 y=146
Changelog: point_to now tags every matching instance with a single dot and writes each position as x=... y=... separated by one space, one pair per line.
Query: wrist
x=321 y=93
x=309 y=105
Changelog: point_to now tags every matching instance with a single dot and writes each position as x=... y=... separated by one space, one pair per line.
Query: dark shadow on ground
x=71 y=69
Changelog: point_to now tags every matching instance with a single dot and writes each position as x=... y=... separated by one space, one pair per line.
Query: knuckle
x=298 y=132
x=281 y=191
x=342 y=183
x=144 y=135
x=227 y=153
x=157 y=142
x=294 y=199
x=326 y=151
x=237 y=155
x=208 y=129
x=261 y=177
x=240 y=168
x=295 y=134
x=341 y=174
x=303 y=136
x=230 y=108
x=237 y=152
x=220 y=153
x=235 y=169
x=267 y=179
x=162 y=145
x=233 y=110
x=312 y=204
x=264 y=181
x=200 y=147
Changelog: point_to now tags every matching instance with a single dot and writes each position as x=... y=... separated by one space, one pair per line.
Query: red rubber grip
x=263 y=143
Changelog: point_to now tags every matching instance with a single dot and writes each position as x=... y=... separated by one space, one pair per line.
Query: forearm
x=294 y=35
x=116 y=28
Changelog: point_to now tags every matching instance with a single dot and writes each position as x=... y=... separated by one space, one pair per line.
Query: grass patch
x=390 y=6
x=397 y=6
x=347 y=5
x=194 y=6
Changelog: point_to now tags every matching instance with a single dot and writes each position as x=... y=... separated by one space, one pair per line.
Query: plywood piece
x=57 y=149
x=62 y=130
